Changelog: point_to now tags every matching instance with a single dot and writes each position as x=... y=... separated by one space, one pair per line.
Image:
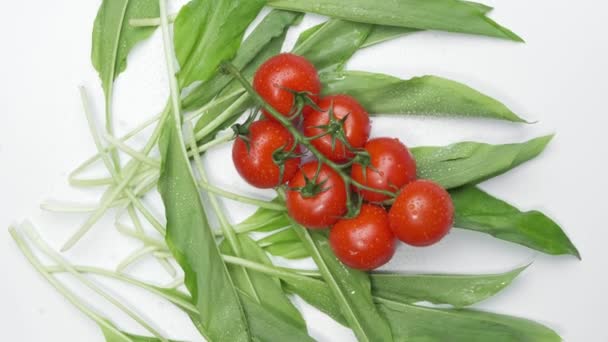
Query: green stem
x=213 y=143
x=231 y=111
x=184 y=302
x=298 y=136
x=147 y=22
x=109 y=199
x=130 y=151
x=37 y=240
x=239 y=198
x=64 y=291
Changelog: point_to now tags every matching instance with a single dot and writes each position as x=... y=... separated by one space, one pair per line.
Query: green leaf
x=288 y=250
x=479 y=211
x=264 y=39
x=283 y=236
x=350 y=288
x=381 y=33
x=316 y=293
x=209 y=32
x=330 y=45
x=416 y=323
x=470 y=162
x=455 y=290
x=264 y=220
x=271 y=49
x=428 y=95
x=192 y=243
x=443 y=15
x=268 y=326
x=113 y=37
x=263 y=289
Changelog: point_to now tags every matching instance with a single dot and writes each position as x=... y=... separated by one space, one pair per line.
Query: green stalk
x=33 y=235
x=177 y=300
x=239 y=198
x=64 y=291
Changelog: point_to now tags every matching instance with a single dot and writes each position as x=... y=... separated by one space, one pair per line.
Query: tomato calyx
x=312 y=187
x=242 y=130
x=281 y=156
x=301 y=99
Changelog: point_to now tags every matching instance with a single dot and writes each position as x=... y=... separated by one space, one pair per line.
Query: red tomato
x=320 y=210
x=392 y=167
x=356 y=127
x=422 y=214
x=254 y=159
x=282 y=73
x=365 y=242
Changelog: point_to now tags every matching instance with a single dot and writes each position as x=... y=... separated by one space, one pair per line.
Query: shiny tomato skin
x=393 y=166
x=325 y=208
x=255 y=163
x=356 y=127
x=286 y=71
x=364 y=242
x=422 y=214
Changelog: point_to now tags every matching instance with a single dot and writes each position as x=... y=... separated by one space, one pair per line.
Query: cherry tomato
x=255 y=157
x=322 y=201
x=355 y=128
x=364 y=242
x=391 y=167
x=282 y=73
x=422 y=214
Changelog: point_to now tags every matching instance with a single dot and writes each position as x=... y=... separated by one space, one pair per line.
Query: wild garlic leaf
x=471 y=162
x=209 y=32
x=261 y=288
x=330 y=45
x=288 y=250
x=271 y=28
x=271 y=49
x=264 y=220
x=443 y=15
x=350 y=288
x=113 y=37
x=192 y=243
x=452 y=289
x=416 y=323
x=428 y=95
x=266 y=325
x=316 y=293
x=476 y=210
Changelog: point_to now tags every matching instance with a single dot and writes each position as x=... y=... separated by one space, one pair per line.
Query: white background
x=558 y=78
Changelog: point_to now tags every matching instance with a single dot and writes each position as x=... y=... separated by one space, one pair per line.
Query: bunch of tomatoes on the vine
x=347 y=181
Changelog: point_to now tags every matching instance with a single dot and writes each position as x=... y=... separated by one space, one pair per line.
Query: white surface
x=558 y=78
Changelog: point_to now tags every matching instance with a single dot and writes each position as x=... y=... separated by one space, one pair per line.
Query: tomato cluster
x=380 y=173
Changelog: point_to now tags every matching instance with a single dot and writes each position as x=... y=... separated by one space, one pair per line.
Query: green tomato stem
x=298 y=136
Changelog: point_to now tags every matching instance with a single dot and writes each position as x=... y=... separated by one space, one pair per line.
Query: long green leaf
x=113 y=37
x=264 y=220
x=350 y=288
x=383 y=33
x=479 y=211
x=443 y=15
x=192 y=243
x=455 y=290
x=272 y=27
x=416 y=323
x=271 y=49
x=428 y=95
x=268 y=326
x=120 y=336
x=209 y=32
x=262 y=288
x=330 y=45
x=470 y=162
